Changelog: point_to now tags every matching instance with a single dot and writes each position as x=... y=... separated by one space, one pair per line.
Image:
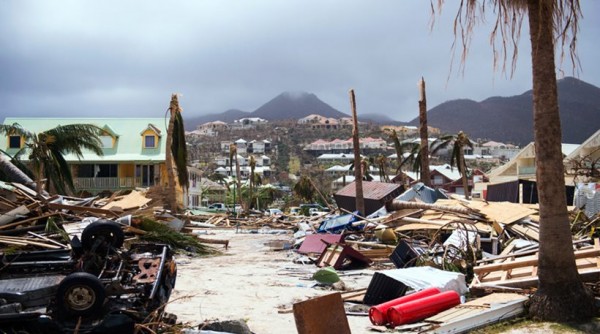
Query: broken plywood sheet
x=323 y=314
x=133 y=200
x=432 y=225
x=503 y=212
x=477 y=313
x=316 y=243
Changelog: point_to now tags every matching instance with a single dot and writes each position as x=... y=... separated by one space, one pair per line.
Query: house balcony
x=529 y=170
x=97 y=184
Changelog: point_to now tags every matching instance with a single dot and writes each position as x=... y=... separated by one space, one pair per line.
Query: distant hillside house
x=134 y=152
x=369 y=144
x=248 y=122
x=494 y=149
x=522 y=165
x=260 y=161
x=409 y=131
x=444 y=177
x=315 y=122
x=336 y=158
x=243 y=146
x=337 y=170
x=262 y=171
x=210 y=129
x=259 y=146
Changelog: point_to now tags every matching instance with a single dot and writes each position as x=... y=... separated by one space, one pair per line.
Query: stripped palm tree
x=561 y=296
x=408 y=153
x=424 y=135
x=46 y=153
x=176 y=155
x=457 y=157
x=238 y=182
x=252 y=164
x=382 y=162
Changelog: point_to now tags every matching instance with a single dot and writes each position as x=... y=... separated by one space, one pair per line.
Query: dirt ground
x=251 y=282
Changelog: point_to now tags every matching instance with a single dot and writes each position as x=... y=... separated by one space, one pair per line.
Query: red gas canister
x=422 y=308
x=378 y=313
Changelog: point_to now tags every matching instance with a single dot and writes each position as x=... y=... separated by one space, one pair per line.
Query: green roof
x=129 y=145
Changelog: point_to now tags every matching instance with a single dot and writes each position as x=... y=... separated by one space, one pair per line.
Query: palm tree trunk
x=251 y=185
x=425 y=176
x=14 y=174
x=561 y=295
x=238 y=183
x=463 y=167
x=360 y=201
x=171 y=194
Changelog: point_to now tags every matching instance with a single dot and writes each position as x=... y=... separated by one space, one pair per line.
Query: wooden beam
x=56 y=206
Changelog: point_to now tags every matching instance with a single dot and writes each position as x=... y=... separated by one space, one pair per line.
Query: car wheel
x=79 y=294
x=102 y=234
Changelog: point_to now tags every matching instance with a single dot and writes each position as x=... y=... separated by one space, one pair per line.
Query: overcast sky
x=124 y=58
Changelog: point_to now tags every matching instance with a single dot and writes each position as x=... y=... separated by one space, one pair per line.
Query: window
x=107 y=141
x=149 y=141
x=14 y=142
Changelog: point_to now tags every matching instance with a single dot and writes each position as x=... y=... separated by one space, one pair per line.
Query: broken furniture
x=341 y=256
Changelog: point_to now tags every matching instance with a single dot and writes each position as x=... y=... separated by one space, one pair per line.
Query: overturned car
x=95 y=287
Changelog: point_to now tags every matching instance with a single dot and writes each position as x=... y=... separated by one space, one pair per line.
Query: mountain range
x=506 y=119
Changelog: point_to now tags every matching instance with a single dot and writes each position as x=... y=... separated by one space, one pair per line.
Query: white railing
x=107 y=183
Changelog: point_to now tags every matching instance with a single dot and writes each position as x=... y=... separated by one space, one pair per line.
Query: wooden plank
x=26 y=221
x=529 y=232
x=324 y=314
x=527 y=262
x=56 y=206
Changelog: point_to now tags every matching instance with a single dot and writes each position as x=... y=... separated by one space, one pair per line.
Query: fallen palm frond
x=158 y=232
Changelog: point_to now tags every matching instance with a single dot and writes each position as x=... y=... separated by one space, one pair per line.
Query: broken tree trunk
x=425 y=176
x=400 y=205
x=171 y=193
x=360 y=201
x=14 y=174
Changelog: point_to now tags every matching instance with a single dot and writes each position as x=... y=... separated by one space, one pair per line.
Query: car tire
x=79 y=294
x=102 y=234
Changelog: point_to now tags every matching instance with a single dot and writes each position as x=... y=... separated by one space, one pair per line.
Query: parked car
x=217 y=207
x=319 y=207
x=295 y=211
x=273 y=212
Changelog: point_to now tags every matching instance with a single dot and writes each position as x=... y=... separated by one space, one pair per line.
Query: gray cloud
x=116 y=58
